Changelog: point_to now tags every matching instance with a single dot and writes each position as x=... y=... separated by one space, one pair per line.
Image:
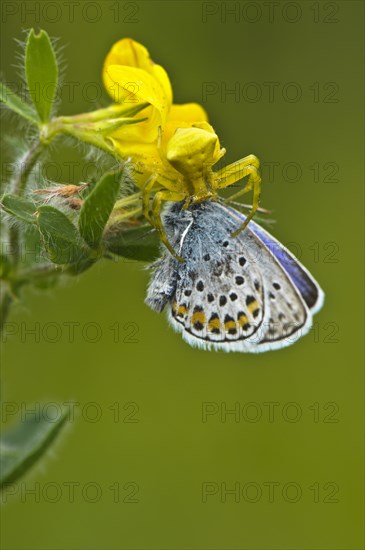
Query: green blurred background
x=141 y=452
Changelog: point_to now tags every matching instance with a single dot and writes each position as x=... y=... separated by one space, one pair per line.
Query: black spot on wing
x=200 y=286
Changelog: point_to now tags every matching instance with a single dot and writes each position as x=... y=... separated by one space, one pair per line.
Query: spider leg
x=255 y=184
x=156 y=217
x=147 y=189
x=234 y=172
x=261 y=210
x=248 y=166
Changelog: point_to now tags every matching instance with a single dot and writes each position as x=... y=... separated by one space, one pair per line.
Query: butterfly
x=246 y=293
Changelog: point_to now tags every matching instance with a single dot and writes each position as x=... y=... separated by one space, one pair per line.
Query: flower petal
x=128 y=52
x=161 y=75
x=188 y=112
x=133 y=86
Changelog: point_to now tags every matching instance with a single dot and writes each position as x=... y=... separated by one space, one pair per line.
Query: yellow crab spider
x=188 y=176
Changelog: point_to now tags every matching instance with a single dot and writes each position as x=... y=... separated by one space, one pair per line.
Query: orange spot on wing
x=252 y=306
x=229 y=325
x=214 y=324
x=242 y=320
x=182 y=310
x=198 y=317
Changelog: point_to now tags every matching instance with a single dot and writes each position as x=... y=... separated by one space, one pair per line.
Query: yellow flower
x=175 y=146
x=131 y=77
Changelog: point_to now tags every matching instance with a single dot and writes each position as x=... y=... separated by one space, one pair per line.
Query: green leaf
x=42 y=72
x=20 y=208
x=21 y=447
x=140 y=243
x=60 y=236
x=16 y=104
x=97 y=208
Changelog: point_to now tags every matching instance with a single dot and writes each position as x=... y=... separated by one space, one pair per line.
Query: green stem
x=113 y=111
x=57 y=127
x=94 y=127
x=20 y=181
x=18 y=187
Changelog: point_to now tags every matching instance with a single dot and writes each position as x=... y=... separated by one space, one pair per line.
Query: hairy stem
x=18 y=187
x=31 y=157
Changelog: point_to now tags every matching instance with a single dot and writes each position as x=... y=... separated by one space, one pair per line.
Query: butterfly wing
x=308 y=287
x=219 y=294
x=162 y=285
x=230 y=293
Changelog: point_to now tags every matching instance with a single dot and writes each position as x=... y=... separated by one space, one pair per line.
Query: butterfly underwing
x=246 y=293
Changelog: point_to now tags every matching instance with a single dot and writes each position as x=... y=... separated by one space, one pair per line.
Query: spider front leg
x=156 y=217
x=247 y=166
x=254 y=182
x=147 y=189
